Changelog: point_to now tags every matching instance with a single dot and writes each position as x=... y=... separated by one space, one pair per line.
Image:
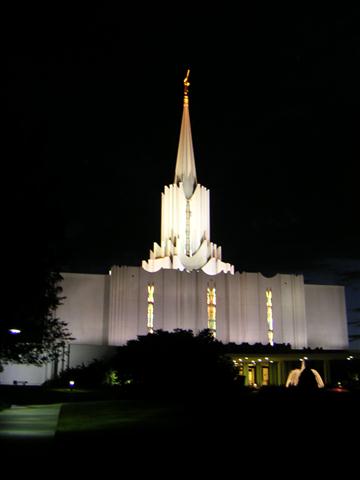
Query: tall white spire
x=185 y=171
x=185 y=215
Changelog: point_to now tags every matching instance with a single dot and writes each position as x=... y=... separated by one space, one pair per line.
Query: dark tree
x=175 y=362
x=29 y=306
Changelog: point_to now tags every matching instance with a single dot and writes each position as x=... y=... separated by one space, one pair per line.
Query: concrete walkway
x=28 y=430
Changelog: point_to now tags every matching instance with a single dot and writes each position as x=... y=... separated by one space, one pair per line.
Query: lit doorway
x=251 y=375
x=265 y=375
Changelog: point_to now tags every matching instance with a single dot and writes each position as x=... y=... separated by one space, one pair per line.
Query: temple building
x=186 y=284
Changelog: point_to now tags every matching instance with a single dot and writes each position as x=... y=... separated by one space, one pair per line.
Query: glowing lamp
x=14 y=331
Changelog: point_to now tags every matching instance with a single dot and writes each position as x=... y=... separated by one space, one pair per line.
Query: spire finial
x=186 y=87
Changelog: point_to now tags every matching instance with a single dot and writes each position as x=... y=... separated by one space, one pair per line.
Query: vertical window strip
x=150 y=308
x=269 y=316
x=211 y=308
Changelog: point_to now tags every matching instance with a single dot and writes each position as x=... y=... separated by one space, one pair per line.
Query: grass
x=95 y=416
x=205 y=429
x=119 y=431
x=101 y=416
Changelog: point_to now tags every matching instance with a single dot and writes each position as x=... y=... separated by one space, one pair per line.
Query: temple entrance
x=251 y=375
x=265 y=375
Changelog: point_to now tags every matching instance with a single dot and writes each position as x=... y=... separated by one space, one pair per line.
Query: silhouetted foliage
x=32 y=310
x=174 y=362
x=307 y=380
x=92 y=375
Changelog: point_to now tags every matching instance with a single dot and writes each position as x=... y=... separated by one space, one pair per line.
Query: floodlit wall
x=104 y=310
x=326 y=316
x=180 y=302
x=112 y=309
x=85 y=307
x=30 y=374
x=85 y=354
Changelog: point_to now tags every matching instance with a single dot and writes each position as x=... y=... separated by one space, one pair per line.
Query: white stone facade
x=304 y=315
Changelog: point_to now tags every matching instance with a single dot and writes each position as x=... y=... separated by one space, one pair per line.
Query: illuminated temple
x=186 y=284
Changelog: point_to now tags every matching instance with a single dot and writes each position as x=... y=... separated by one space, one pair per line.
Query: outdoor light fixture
x=71 y=383
x=14 y=331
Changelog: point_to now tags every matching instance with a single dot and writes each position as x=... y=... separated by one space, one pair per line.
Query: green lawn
x=119 y=428
x=91 y=426
x=118 y=415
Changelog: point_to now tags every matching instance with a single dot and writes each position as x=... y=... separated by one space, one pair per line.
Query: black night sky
x=90 y=120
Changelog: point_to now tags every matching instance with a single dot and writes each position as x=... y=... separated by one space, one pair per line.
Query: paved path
x=28 y=429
